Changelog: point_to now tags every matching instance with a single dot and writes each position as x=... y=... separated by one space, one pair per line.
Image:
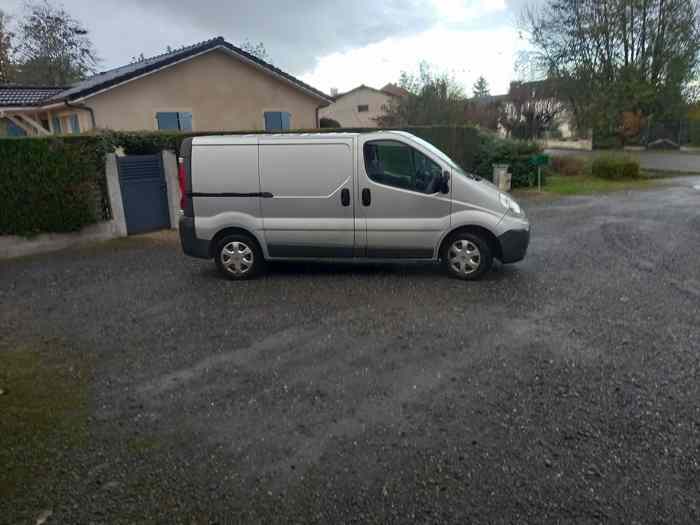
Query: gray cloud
x=296 y=33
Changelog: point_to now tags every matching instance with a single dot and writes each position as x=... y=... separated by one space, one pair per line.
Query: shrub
x=326 y=122
x=51 y=184
x=694 y=132
x=568 y=166
x=615 y=167
x=493 y=149
x=603 y=140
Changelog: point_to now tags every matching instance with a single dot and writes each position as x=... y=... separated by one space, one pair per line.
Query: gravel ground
x=561 y=389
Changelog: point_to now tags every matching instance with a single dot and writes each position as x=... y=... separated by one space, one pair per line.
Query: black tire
x=237 y=271
x=484 y=258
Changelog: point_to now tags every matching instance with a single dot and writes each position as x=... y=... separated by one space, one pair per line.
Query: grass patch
x=43 y=414
x=587 y=184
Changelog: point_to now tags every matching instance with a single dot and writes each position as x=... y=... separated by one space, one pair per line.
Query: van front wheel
x=238 y=257
x=467 y=256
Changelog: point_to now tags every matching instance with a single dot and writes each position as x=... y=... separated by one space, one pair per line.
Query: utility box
x=501 y=177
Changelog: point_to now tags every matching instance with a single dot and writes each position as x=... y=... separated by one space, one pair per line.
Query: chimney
x=334 y=92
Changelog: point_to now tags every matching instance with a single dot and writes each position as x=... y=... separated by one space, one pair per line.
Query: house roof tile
x=12 y=95
x=113 y=77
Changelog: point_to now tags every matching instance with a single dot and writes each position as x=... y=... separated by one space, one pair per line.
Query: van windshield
x=447 y=160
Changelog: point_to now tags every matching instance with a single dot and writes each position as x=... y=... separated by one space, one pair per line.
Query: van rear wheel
x=239 y=257
x=467 y=256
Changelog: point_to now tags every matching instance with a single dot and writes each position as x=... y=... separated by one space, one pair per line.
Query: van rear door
x=225 y=184
x=311 y=211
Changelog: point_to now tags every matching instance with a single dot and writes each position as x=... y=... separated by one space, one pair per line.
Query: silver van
x=382 y=196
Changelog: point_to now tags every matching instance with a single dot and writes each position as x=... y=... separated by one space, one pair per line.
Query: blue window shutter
x=168 y=121
x=56 y=123
x=13 y=130
x=185 y=121
x=74 y=124
x=286 y=119
x=273 y=121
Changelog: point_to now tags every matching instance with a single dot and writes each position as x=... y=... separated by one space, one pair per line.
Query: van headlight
x=510 y=204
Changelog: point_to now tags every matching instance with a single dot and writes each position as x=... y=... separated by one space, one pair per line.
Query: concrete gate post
x=173 y=185
x=115 y=195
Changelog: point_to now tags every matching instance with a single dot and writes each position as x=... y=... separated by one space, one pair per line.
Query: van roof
x=249 y=138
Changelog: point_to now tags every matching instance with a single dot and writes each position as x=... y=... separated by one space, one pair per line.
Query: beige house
x=360 y=107
x=210 y=86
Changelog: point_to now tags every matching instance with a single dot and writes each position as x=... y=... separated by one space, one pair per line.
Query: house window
x=174 y=121
x=277 y=120
x=362 y=108
x=13 y=130
x=56 y=124
x=74 y=124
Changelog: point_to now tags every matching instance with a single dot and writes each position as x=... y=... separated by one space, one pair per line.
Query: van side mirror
x=445 y=182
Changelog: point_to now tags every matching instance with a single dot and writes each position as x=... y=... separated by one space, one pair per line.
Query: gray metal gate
x=144 y=193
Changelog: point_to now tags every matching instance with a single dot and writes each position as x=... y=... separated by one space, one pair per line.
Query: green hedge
x=694 y=132
x=493 y=149
x=615 y=167
x=460 y=142
x=51 y=184
x=473 y=149
x=57 y=184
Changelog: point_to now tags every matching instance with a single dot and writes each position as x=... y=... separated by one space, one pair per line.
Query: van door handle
x=345 y=197
x=366 y=197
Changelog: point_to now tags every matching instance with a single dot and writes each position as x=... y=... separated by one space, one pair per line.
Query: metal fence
x=672 y=133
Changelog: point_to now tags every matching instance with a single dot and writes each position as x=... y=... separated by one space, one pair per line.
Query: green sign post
x=539 y=161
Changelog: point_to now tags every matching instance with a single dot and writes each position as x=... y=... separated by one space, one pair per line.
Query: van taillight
x=181 y=180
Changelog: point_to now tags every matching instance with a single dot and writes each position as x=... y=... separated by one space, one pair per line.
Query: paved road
x=649 y=160
x=561 y=389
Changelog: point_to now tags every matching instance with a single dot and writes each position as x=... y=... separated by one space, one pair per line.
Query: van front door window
x=396 y=164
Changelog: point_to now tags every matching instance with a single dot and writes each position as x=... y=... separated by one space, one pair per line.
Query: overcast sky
x=327 y=43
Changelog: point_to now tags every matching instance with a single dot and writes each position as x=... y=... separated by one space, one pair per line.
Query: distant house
x=210 y=86
x=360 y=107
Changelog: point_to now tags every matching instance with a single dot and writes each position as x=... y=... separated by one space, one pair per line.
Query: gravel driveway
x=565 y=388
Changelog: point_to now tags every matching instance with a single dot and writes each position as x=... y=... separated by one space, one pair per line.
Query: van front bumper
x=191 y=245
x=514 y=245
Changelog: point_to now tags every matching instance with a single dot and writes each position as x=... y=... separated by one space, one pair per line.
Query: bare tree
x=531 y=109
x=617 y=55
x=257 y=50
x=55 y=48
x=6 y=50
x=433 y=98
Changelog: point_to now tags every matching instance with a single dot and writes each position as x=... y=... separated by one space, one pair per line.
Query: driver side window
x=396 y=164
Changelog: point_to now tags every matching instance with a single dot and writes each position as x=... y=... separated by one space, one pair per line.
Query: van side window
x=399 y=165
